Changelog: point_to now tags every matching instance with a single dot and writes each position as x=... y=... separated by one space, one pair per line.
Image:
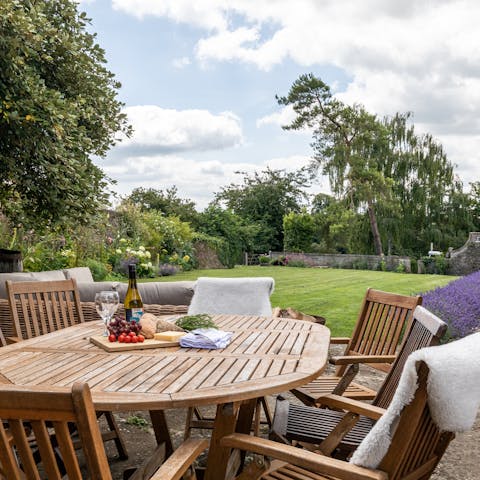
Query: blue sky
x=199 y=80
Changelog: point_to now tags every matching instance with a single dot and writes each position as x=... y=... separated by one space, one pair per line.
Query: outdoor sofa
x=159 y=298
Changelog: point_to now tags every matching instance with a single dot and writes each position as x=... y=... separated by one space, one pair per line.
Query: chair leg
x=207 y=423
x=266 y=411
x=115 y=435
x=188 y=421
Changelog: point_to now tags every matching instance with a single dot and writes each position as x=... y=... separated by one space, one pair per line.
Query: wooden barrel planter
x=10 y=261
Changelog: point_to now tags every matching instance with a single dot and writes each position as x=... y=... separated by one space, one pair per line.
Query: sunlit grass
x=333 y=293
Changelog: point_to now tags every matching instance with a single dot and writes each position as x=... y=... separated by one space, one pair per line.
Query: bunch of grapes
x=119 y=325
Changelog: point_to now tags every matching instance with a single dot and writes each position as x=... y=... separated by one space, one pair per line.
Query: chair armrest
x=339 y=340
x=181 y=459
x=354 y=406
x=349 y=359
x=11 y=340
x=302 y=458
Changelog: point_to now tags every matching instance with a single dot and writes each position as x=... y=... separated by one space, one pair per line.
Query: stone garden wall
x=361 y=262
x=465 y=259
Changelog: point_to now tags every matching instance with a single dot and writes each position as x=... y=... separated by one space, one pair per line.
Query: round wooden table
x=266 y=356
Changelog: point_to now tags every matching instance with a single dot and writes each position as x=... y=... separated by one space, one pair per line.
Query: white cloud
x=405 y=56
x=283 y=117
x=181 y=62
x=206 y=14
x=197 y=180
x=413 y=56
x=164 y=130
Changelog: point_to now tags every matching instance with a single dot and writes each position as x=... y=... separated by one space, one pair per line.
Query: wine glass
x=106 y=303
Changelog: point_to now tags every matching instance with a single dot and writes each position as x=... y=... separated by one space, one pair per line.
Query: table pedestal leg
x=230 y=418
x=160 y=427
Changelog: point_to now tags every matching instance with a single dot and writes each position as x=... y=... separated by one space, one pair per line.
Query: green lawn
x=333 y=293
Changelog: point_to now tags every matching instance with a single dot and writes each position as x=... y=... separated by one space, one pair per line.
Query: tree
x=264 y=198
x=336 y=225
x=298 y=230
x=348 y=144
x=429 y=205
x=236 y=236
x=58 y=108
x=166 y=202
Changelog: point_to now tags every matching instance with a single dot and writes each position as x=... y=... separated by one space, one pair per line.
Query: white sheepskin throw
x=453 y=388
x=241 y=296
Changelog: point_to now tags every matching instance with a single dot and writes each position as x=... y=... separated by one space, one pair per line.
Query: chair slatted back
x=417 y=444
x=26 y=412
x=42 y=307
x=382 y=319
x=425 y=330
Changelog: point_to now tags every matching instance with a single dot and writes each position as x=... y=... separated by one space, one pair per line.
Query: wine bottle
x=133 y=301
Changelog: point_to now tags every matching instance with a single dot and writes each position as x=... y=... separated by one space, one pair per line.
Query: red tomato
x=134 y=339
x=121 y=338
x=141 y=338
x=132 y=334
x=112 y=338
x=127 y=339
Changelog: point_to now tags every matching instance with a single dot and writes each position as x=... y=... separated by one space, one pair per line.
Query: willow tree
x=429 y=197
x=58 y=109
x=348 y=144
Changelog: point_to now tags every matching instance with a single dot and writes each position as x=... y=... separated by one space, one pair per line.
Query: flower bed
x=458 y=304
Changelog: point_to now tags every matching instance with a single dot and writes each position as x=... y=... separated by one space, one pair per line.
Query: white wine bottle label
x=133 y=314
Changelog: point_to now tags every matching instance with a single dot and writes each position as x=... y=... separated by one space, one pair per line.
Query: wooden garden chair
x=333 y=431
x=42 y=307
x=416 y=447
x=44 y=411
x=382 y=320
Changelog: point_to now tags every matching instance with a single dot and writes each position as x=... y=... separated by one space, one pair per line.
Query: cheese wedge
x=169 y=336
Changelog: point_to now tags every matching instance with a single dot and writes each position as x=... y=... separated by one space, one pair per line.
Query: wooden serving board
x=104 y=343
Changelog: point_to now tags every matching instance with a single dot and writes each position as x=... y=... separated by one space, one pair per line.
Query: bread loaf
x=152 y=324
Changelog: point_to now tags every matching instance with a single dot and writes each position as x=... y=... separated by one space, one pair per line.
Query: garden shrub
x=297 y=263
x=400 y=268
x=167 y=269
x=360 y=265
x=457 y=304
x=264 y=260
x=99 y=270
x=299 y=260
x=414 y=265
x=435 y=265
x=279 y=261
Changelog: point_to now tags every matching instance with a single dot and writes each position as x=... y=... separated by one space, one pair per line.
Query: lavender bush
x=457 y=304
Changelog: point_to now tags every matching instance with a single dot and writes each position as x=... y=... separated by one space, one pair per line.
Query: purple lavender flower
x=457 y=304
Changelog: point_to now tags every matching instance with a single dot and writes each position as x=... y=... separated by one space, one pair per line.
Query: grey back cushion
x=80 y=274
x=87 y=290
x=241 y=296
x=169 y=293
x=14 y=277
x=48 y=275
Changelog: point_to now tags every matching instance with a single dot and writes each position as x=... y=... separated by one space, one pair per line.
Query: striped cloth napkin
x=210 y=338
